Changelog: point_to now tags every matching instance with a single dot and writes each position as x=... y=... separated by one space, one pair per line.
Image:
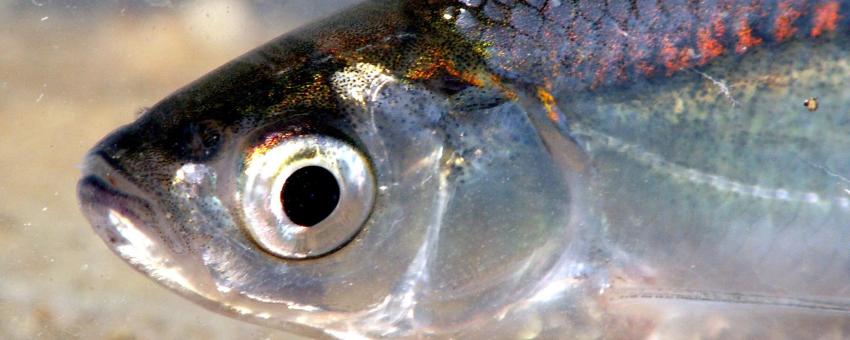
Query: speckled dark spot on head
x=199 y=141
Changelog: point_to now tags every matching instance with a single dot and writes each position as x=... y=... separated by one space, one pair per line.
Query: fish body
x=504 y=169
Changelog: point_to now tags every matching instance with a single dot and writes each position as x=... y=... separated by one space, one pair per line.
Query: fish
x=504 y=169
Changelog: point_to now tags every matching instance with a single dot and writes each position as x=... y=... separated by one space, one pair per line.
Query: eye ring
x=312 y=161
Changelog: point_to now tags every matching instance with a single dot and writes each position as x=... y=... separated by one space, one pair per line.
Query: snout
x=115 y=207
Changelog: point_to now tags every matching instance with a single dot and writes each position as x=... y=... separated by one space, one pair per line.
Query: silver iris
x=306 y=166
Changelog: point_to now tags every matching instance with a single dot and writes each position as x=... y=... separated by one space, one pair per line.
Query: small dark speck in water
x=811 y=104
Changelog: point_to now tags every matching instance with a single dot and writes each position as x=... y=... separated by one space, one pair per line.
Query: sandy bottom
x=69 y=75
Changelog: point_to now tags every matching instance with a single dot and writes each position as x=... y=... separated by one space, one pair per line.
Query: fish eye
x=309 y=195
x=305 y=196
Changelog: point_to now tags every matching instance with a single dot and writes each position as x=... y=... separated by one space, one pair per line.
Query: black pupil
x=309 y=195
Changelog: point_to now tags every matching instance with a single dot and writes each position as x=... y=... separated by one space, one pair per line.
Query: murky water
x=71 y=71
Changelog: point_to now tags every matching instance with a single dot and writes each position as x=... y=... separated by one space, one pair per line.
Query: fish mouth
x=111 y=202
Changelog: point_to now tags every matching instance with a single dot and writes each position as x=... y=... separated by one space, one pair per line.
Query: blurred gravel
x=70 y=72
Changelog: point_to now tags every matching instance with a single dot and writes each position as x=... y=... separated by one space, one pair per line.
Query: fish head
x=299 y=191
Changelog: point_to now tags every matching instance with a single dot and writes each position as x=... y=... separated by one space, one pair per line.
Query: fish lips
x=113 y=205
